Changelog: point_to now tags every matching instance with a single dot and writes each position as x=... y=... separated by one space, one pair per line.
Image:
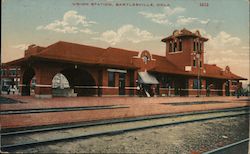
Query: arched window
x=145 y=59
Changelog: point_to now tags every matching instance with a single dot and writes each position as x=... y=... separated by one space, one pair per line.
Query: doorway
x=122 y=77
x=28 y=82
x=227 y=88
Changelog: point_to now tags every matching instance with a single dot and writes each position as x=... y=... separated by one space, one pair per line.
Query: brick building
x=10 y=76
x=113 y=71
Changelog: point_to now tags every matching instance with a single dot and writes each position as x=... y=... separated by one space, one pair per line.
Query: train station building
x=94 y=71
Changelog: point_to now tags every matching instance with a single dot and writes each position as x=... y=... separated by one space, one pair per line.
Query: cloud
x=181 y=20
x=87 y=31
x=159 y=18
x=71 y=22
x=245 y=47
x=223 y=48
x=222 y=41
x=20 y=46
x=126 y=33
x=162 y=18
x=168 y=11
x=231 y=62
x=204 y=21
x=184 y=21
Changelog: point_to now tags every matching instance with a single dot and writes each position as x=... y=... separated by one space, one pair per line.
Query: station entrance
x=28 y=81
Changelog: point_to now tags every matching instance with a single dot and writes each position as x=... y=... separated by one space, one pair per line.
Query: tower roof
x=184 y=33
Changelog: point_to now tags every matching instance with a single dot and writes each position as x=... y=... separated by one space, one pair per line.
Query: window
x=197 y=46
x=111 y=79
x=170 y=47
x=163 y=81
x=12 y=72
x=234 y=82
x=3 y=72
x=194 y=63
x=180 y=45
x=145 y=59
x=200 y=63
x=175 y=46
x=195 y=84
x=194 y=46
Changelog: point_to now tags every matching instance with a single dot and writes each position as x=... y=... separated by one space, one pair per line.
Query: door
x=227 y=88
x=122 y=84
x=183 y=87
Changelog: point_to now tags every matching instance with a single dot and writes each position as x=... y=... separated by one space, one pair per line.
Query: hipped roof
x=77 y=53
x=115 y=57
x=184 y=33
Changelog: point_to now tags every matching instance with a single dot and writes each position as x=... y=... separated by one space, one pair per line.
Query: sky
x=117 y=23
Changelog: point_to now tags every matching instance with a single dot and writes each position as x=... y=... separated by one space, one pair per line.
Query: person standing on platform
x=238 y=90
x=208 y=90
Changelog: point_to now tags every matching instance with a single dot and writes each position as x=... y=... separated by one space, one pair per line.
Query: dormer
x=144 y=61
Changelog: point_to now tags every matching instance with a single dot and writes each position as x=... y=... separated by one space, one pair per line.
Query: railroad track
x=231 y=148
x=13 y=140
x=60 y=109
x=198 y=103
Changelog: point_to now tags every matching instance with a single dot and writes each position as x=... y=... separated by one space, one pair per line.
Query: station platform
x=133 y=107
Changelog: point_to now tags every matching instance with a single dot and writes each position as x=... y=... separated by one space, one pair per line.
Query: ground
x=185 y=139
x=137 y=106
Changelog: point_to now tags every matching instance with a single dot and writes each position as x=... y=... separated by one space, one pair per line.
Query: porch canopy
x=146 y=78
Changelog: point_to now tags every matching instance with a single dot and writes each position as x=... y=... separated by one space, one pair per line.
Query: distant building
x=112 y=71
x=10 y=76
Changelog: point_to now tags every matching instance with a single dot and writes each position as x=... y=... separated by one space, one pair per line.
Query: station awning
x=146 y=78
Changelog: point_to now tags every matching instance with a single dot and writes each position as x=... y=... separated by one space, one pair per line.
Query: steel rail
x=123 y=120
x=46 y=110
x=114 y=132
x=227 y=146
x=199 y=102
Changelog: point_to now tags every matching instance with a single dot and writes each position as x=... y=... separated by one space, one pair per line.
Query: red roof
x=77 y=53
x=183 y=33
x=72 y=52
x=164 y=66
x=115 y=57
x=217 y=72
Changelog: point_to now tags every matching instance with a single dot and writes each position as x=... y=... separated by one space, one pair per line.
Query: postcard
x=125 y=76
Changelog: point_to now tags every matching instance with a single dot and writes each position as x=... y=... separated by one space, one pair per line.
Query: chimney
x=33 y=49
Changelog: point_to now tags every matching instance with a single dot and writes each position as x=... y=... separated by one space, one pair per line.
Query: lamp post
x=1 y=75
x=198 y=74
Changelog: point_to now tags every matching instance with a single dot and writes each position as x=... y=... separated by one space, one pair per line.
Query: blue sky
x=43 y=22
